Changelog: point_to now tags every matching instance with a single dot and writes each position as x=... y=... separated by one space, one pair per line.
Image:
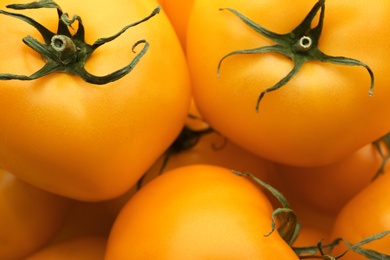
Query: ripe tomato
x=29 y=216
x=96 y=218
x=86 y=141
x=321 y=114
x=327 y=188
x=197 y=212
x=365 y=215
x=81 y=248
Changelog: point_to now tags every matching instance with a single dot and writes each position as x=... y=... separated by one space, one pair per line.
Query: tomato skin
x=315 y=119
x=310 y=236
x=29 y=217
x=197 y=212
x=85 y=141
x=178 y=13
x=210 y=149
x=327 y=188
x=80 y=248
x=213 y=149
x=365 y=215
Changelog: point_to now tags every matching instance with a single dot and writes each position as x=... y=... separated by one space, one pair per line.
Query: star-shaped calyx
x=67 y=52
x=300 y=45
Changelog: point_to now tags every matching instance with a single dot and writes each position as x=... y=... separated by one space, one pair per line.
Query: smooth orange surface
x=197 y=212
x=85 y=141
x=324 y=113
x=178 y=13
x=328 y=188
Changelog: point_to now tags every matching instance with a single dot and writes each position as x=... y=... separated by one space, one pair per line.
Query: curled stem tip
x=68 y=52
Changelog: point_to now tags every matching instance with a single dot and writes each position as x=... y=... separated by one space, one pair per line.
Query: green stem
x=300 y=45
x=65 y=47
x=66 y=52
x=303 y=45
x=289 y=226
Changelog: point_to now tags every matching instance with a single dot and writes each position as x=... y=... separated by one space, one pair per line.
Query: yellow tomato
x=197 y=212
x=87 y=141
x=324 y=112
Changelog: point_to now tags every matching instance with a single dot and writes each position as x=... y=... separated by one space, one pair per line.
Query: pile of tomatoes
x=194 y=129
